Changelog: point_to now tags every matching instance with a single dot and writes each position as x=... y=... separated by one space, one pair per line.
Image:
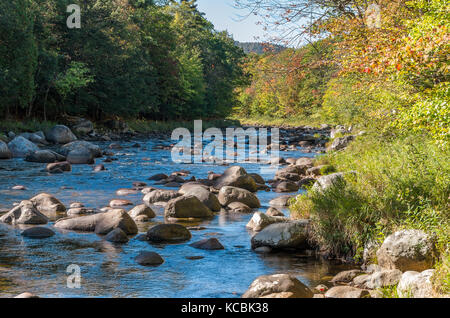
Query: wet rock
x=259 y=221
x=258 y=179
x=160 y=196
x=304 y=163
x=187 y=207
x=205 y=196
x=346 y=276
x=149 y=259
x=26 y=295
x=282 y=201
x=60 y=134
x=347 y=292
x=236 y=177
x=117 y=236
x=158 y=177
x=274 y=212
x=273 y=285
x=326 y=182
x=24 y=213
x=47 y=204
x=19 y=188
x=142 y=213
x=283 y=235
x=118 y=203
x=406 y=250
x=186 y=187
x=79 y=156
x=287 y=186
x=238 y=207
x=229 y=194
x=38 y=232
x=168 y=233
x=283 y=175
x=278 y=161
x=93 y=149
x=263 y=250
x=416 y=285
x=139 y=185
x=208 y=244
x=44 y=156
x=125 y=192
x=101 y=223
x=5 y=153
x=147 y=190
x=21 y=147
x=59 y=167
x=99 y=168
x=384 y=278
x=78 y=211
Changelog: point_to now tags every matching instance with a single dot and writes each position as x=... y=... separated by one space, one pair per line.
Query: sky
x=224 y=17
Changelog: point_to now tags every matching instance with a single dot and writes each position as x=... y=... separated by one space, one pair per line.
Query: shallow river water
x=108 y=270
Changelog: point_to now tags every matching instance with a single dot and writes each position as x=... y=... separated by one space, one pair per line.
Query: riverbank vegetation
x=388 y=75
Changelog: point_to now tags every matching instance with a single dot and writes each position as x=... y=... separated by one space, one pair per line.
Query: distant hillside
x=259 y=48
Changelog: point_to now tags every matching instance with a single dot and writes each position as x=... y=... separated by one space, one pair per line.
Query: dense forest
x=137 y=58
x=259 y=47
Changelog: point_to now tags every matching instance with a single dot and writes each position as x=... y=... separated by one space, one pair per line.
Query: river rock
x=283 y=235
x=187 y=207
x=38 y=137
x=60 y=134
x=379 y=279
x=274 y=212
x=304 y=163
x=208 y=244
x=346 y=276
x=158 y=177
x=258 y=179
x=188 y=186
x=83 y=127
x=416 y=285
x=59 y=167
x=406 y=250
x=47 y=204
x=118 y=203
x=94 y=149
x=117 y=236
x=26 y=295
x=273 y=285
x=236 y=177
x=24 y=213
x=238 y=207
x=38 y=232
x=229 y=194
x=341 y=143
x=21 y=147
x=347 y=292
x=326 y=182
x=125 y=192
x=44 y=156
x=205 y=196
x=160 y=196
x=5 y=153
x=282 y=201
x=259 y=221
x=287 y=186
x=101 y=223
x=149 y=259
x=168 y=233
x=142 y=213
x=80 y=156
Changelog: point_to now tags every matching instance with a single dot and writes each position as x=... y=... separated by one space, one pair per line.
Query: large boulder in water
x=260 y=221
x=5 y=153
x=278 y=286
x=229 y=194
x=168 y=233
x=21 y=147
x=205 y=196
x=94 y=149
x=149 y=259
x=292 y=234
x=407 y=250
x=44 y=156
x=159 y=195
x=38 y=232
x=80 y=156
x=60 y=134
x=101 y=223
x=282 y=201
x=236 y=177
x=187 y=207
x=48 y=204
x=142 y=213
x=24 y=213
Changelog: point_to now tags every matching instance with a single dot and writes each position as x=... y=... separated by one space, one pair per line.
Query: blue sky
x=224 y=17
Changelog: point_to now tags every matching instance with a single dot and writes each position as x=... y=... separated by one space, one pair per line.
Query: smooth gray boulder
x=60 y=134
x=238 y=207
x=407 y=250
x=259 y=221
x=44 y=156
x=282 y=201
x=346 y=277
x=142 y=213
x=117 y=236
x=21 y=147
x=236 y=177
x=94 y=149
x=101 y=223
x=149 y=259
x=80 y=156
x=47 y=204
x=211 y=244
x=160 y=196
x=168 y=233
x=229 y=194
x=24 y=213
x=278 y=286
x=205 y=196
x=38 y=232
x=292 y=234
x=5 y=153
x=378 y=279
x=187 y=207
